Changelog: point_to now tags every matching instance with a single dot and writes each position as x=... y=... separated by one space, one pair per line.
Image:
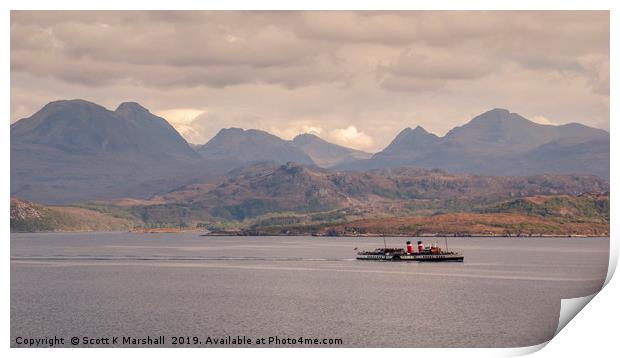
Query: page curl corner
x=569 y=308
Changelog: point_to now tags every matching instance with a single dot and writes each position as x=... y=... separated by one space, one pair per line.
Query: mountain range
x=78 y=151
x=498 y=142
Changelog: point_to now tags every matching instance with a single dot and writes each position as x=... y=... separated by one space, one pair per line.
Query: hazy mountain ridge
x=251 y=146
x=77 y=151
x=416 y=139
x=81 y=127
x=72 y=151
x=498 y=142
x=326 y=154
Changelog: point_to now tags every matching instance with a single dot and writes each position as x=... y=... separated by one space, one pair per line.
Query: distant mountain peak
x=492 y=116
x=324 y=153
x=499 y=142
x=106 y=152
x=415 y=131
x=501 y=126
x=76 y=101
x=420 y=130
x=408 y=135
x=130 y=108
x=306 y=135
x=242 y=133
x=250 y=146
x=231 y=130
x=81 y=127
x=404 y=133
x=500 y=111
x=73 y=104
x=306 y=138
x=411 y=139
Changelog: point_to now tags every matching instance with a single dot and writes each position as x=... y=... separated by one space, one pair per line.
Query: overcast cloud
x=354 y=78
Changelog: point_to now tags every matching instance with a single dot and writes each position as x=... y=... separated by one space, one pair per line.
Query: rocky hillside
x=554 y=215
x=252 y=192
x=30 y=217
x=292 y=184
x=468 y=224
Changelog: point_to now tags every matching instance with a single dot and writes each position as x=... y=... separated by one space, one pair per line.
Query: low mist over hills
x=77 y=151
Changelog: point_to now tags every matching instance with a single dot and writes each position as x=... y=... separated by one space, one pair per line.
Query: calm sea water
x=507 y=292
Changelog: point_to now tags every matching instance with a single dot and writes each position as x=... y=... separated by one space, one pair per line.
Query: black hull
x=413 y=258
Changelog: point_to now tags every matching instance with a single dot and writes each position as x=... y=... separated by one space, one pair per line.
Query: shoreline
x=221 y=234
x=403 y=235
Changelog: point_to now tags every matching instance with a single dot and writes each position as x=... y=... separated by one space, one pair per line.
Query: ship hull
x=417 y=258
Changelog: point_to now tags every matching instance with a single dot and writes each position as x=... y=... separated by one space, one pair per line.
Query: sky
x=354 y=78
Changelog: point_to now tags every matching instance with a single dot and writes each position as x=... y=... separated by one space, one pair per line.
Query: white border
x=593 y=329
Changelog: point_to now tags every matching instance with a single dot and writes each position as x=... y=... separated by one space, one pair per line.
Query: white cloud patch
x=181 y=119
x=542 y=120
x=312 y=130
x=351 y=137
x=291 y=132
x=180 y=115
